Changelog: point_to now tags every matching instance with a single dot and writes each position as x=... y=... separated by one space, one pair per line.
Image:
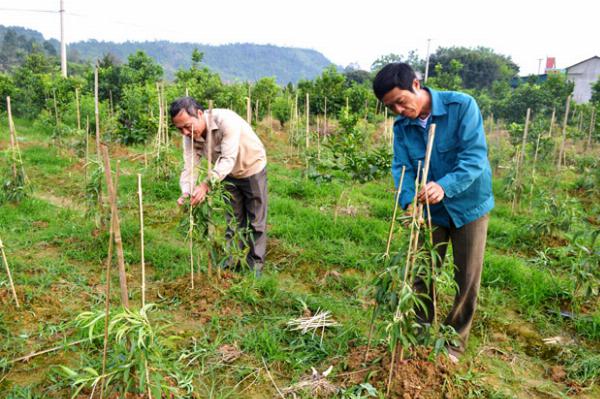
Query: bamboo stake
x=391 y=372
x=318 y=140
x=87 y=150
x=97 y=113
x=325 y=121
x=191 y=231
x=117 y=228
x=385 y=124
x=592 y=128
x=387 y=254
x=307 y=110
x=433 y=268
x=391 y=232
x=142 y=240
x=209 y=139
x=13 y=137
x=107 y=294
x=412 y=224
x=424 y=175
x=552 y=120
x=78 y=108
x=524 y=142
x=256 y=112
x=55 y=107
x=564 y=134
x=519 y=161
x=10 y=280
x=248 y=110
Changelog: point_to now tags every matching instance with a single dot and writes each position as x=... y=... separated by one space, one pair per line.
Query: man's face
x=185 y=123
x=404 y=102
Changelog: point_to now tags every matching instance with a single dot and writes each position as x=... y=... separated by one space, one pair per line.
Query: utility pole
x=63 y=45
x=427 y=62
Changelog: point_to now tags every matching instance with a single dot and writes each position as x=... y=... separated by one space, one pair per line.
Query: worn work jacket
x=236 y=149
x=459 y=162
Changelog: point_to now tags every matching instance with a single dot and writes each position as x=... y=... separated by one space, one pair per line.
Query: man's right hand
x=182 y=199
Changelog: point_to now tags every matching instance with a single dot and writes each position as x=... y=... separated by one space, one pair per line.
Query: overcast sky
x=344 y=31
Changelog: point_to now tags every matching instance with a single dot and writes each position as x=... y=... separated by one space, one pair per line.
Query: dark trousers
x=468 y=246
x=249 y=203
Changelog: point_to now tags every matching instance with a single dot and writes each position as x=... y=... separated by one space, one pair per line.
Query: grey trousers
x=249 y=203
x=468 y=246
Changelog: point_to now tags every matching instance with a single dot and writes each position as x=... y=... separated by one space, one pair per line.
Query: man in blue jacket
x=459 y=184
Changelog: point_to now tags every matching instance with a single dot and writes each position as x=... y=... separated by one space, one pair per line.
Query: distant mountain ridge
x=239 y=61
x=233 y=62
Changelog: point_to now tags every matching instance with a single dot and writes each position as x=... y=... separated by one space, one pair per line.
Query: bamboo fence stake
x=318 y=140
x=107 y=298
x=191 y=216
x=391 y=372
x=248 y=110
x=433 y=268
x=580 y=124
x=187 y=92
x=592 y=128
x=87 y=150
x=524 y=142
x=97 y=113
x=142 y=239
x=385 y=124
x=387 y=252
x=424 y=175
x=519 y=162
x=412 y=223
x=209 y=145
x=13 y=137
x=325 y=121
x=55 y=107
x=564 y=134
x=117 y=228
x=307 y=110
x=10 y=280
x=552 y=120
x=397 y=197
x=78 y=108
x=256 y=111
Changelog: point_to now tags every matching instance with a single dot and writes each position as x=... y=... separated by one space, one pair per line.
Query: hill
x=239 y=61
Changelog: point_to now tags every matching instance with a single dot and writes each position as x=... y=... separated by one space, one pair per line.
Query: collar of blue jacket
x=459 y=162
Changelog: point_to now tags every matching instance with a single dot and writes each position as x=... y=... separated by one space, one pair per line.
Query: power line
x=28 y=10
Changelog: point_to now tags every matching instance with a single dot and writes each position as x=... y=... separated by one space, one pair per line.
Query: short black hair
x=189 y=104
x=396 y=74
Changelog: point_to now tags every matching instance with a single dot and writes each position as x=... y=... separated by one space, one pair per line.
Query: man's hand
x=433 y=191
x=181 y=200
x=199 y=193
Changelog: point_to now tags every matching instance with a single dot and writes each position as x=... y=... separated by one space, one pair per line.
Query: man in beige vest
x=239 y=159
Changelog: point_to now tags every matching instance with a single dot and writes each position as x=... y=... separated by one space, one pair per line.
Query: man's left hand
x=434 y=192
x=199 y=194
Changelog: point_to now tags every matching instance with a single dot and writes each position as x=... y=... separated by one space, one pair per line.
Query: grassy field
x=229 y=338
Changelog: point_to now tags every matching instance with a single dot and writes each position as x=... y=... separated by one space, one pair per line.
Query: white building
x=584 y=74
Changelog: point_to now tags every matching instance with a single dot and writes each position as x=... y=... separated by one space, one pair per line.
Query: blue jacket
x=459 y=162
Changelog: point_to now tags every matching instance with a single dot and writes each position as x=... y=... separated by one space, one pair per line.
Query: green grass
x=324 y=242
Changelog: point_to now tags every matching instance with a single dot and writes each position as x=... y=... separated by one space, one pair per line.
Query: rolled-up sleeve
x=471 y=154
x=189 y=175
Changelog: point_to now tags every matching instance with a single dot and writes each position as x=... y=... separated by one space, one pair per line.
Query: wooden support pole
x=10 y=280
x=55 y=107
x=117 y=228
x=520 y=159
x=561 y=150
